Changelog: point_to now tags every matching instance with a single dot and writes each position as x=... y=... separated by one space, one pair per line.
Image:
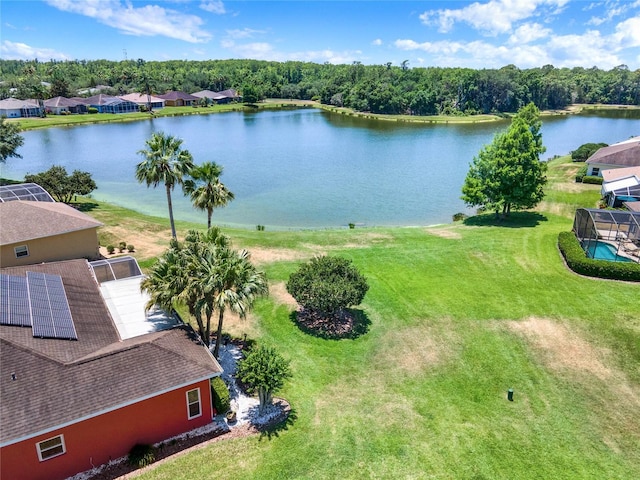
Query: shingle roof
x=60 y=381
x=140 y=98
x=175 y=95
x=612 y=174
x=9 y=103
x=61 y=102
x=24 y=220
x=625 y=154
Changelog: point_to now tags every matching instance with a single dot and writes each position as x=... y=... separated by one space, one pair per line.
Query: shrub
x=220 y=393
x=459 y=216
x=122 y=246
x=131 y=248
x=581 y=173
x=585 y=151
x=92 y=110
x=578 y=261
x=592 y=180
x=352 y=226
x=260 y=228
x=327 y=284
x=110 y=249
x=141 y=455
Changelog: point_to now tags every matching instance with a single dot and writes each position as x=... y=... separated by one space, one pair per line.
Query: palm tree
x=206 y=190
x=179 y=275
x=238 y=285
x=165 y=162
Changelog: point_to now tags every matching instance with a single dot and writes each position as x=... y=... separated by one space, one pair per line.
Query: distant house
x=14 y=108
x=94 y=90
x=144 y=100
x=76 y=392
x=225 y=96
x=108 y=104
x=57 y=105
x=178 y=99
x=620 y=155
x=42 y=231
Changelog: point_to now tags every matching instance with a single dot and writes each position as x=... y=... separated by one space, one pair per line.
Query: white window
x=51 y=448
x=193 y=403
x=21 y=251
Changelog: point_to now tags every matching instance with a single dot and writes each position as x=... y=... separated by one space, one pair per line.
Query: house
x=108 y=104
x=43 y=231
x=178 y=99
x=620 y=155
x=94 y=90
x=75 y=392
x=621 y=186
x=225 y=96
x=57 y=105
x=144 y=100
x=14 y=108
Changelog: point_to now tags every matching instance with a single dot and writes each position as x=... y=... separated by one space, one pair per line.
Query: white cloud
x=148 y=20
x=527 y=33
x=244 y=33
x=628 y=33
x=493 y=17
x=213 y=6
x=8 y=25
x=21 y=51
x=576 y=50
x=265 y=51
x=377 y=42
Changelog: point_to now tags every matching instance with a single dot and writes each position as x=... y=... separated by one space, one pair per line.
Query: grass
x=459 y=314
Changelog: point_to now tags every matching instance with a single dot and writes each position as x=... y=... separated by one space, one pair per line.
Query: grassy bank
x=71 y=120
x=458 y=314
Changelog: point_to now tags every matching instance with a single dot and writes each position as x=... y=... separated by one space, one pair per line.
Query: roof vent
x=14 y=376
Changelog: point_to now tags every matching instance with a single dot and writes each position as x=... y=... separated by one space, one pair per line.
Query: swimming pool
x=605 y=251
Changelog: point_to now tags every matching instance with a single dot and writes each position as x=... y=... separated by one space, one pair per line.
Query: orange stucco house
x=78 y=396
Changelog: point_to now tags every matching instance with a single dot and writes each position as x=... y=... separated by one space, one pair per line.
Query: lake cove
x=301 y=168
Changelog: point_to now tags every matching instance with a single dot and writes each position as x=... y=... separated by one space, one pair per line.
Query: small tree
x=327 y=285
x=62 y=186
x=264 y=370
x=10 y=140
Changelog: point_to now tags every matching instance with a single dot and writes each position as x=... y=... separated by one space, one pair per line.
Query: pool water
x=605 y=251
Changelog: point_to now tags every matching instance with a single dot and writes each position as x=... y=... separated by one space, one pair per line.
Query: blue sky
x=479 y=34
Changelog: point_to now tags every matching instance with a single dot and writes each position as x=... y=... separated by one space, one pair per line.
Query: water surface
x=300 y=168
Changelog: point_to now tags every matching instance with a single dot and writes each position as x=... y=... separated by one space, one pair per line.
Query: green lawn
x=459 y=314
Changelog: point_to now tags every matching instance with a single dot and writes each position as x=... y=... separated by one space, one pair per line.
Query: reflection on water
x=301 y=168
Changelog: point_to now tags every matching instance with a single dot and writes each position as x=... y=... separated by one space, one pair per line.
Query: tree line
x=384 y=89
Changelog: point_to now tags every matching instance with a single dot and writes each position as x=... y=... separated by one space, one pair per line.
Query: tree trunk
x=216 y=351
x=209 y=214
x=265 y=399
x=173 y=227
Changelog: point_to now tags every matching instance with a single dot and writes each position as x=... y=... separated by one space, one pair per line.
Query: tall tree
x=206 y=190
x=10 y=140
x=508 y=174
x=237 y=287
x=165 y=162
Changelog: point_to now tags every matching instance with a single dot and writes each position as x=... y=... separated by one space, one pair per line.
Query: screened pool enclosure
x=608 y=234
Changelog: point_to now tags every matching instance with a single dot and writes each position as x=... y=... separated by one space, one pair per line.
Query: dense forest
x=386 y=89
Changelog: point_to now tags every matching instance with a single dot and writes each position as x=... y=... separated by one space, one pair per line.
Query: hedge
x=221 y=398
x=592 y=179
x=578 y=261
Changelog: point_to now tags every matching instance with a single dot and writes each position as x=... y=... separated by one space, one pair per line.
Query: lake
x=302 y=168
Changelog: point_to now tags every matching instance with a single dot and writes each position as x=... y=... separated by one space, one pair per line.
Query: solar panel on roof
x=14 y=301
x=50 y=311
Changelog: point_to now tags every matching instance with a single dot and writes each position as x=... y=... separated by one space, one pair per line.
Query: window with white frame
x=193 y=403
x=21 y=251
x=51 y=448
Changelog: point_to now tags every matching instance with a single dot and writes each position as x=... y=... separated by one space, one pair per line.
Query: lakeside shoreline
x=35 y=123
